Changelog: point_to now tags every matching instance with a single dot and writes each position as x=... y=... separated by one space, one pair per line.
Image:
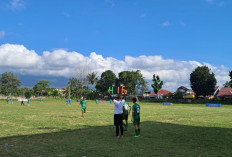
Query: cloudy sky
x=163 y=37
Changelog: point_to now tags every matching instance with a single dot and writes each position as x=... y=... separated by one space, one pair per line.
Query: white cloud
x=209 y=1
x=183 y=24
x=110 y=2
x=17 y=4
x=215 y=2
x=66 y=14
x=2 y=35
x=60 y=62
x=165 y=24
x=143 y=15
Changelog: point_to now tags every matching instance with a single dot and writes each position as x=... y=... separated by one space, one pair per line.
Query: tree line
x=202 y=82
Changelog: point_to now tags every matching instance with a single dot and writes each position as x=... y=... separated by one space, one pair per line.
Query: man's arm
x=124 y=97
x=132 y=118
x=110 y=95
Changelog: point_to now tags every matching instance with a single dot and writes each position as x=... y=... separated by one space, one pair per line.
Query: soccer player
x=11 y=100
x=118 y=114
x=41 y=100
x=7 y=100
x=28 y=101
x=83 y=104
x=126 y=112
x=136 y=117
x=22 y=103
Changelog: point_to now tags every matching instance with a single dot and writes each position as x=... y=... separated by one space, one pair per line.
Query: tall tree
x=92 y=78
x=229 y=83
x=132 y=80
x=144 y=86
x=157 y=84
x=9 y=83
x=230 y=74
x=82 y=72
x=202 y=81
x=73 y=83
x=41 y=87
x=108 y=78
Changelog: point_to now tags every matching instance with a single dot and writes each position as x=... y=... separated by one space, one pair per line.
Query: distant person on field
x=136 y=117
x=29 y=101
x=22 y=103
x=7 y=100
x=69 y=101
x=96 y=101
x=11 y=100
x=83 y=104
x=126 y=112
x=118 y=114
x=41 y=100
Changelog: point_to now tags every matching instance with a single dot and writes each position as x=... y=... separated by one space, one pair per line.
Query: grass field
x=53 y=128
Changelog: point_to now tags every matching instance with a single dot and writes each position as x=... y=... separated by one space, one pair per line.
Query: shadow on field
x=157 y=139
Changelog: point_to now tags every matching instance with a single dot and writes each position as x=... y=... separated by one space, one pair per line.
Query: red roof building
x=162 y=92
x=225 y=92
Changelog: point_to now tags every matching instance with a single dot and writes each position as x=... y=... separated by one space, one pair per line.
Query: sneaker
x=136 y=136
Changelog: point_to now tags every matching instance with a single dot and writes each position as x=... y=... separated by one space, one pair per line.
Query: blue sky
x=178 y=30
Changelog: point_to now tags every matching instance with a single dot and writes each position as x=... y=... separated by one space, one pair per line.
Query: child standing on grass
x=7 y=100
x=28 y=101
x=136 y=117
x=126 y=112
x=11 y=100
x=83 y=104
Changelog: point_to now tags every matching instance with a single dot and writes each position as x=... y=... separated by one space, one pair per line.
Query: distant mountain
x=29 y=81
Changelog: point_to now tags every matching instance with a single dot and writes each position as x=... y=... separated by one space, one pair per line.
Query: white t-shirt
x=118 y=106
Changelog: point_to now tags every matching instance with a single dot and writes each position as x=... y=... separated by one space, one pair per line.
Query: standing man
x=7 y=100
x=118 y=114
x=83 y=104
x=136 y=117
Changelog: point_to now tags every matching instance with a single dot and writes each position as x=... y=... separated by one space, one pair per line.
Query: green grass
x=53 y=128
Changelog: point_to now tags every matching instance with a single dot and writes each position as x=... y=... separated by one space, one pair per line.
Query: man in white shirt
x=118 y=114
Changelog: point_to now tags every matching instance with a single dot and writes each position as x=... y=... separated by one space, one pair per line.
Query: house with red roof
x=225 y=93
x=161 y=93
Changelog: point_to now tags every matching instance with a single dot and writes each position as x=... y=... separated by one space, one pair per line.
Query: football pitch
x=53 y=128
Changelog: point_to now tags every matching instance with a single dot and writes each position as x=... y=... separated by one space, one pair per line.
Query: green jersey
x=126 y=106
x=136 y=110
x=83 y=103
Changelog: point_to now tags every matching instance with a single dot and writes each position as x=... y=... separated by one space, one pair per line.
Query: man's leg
x=121 y=129
x=139 y=129
x=136 y=131
x=117 y=130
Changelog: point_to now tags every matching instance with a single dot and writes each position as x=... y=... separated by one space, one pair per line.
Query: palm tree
x=73 y=82
x=92 y=78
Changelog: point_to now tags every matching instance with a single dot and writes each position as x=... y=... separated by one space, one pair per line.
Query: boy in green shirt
x=126 y=112
x=83 y=104
x=136 y=117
